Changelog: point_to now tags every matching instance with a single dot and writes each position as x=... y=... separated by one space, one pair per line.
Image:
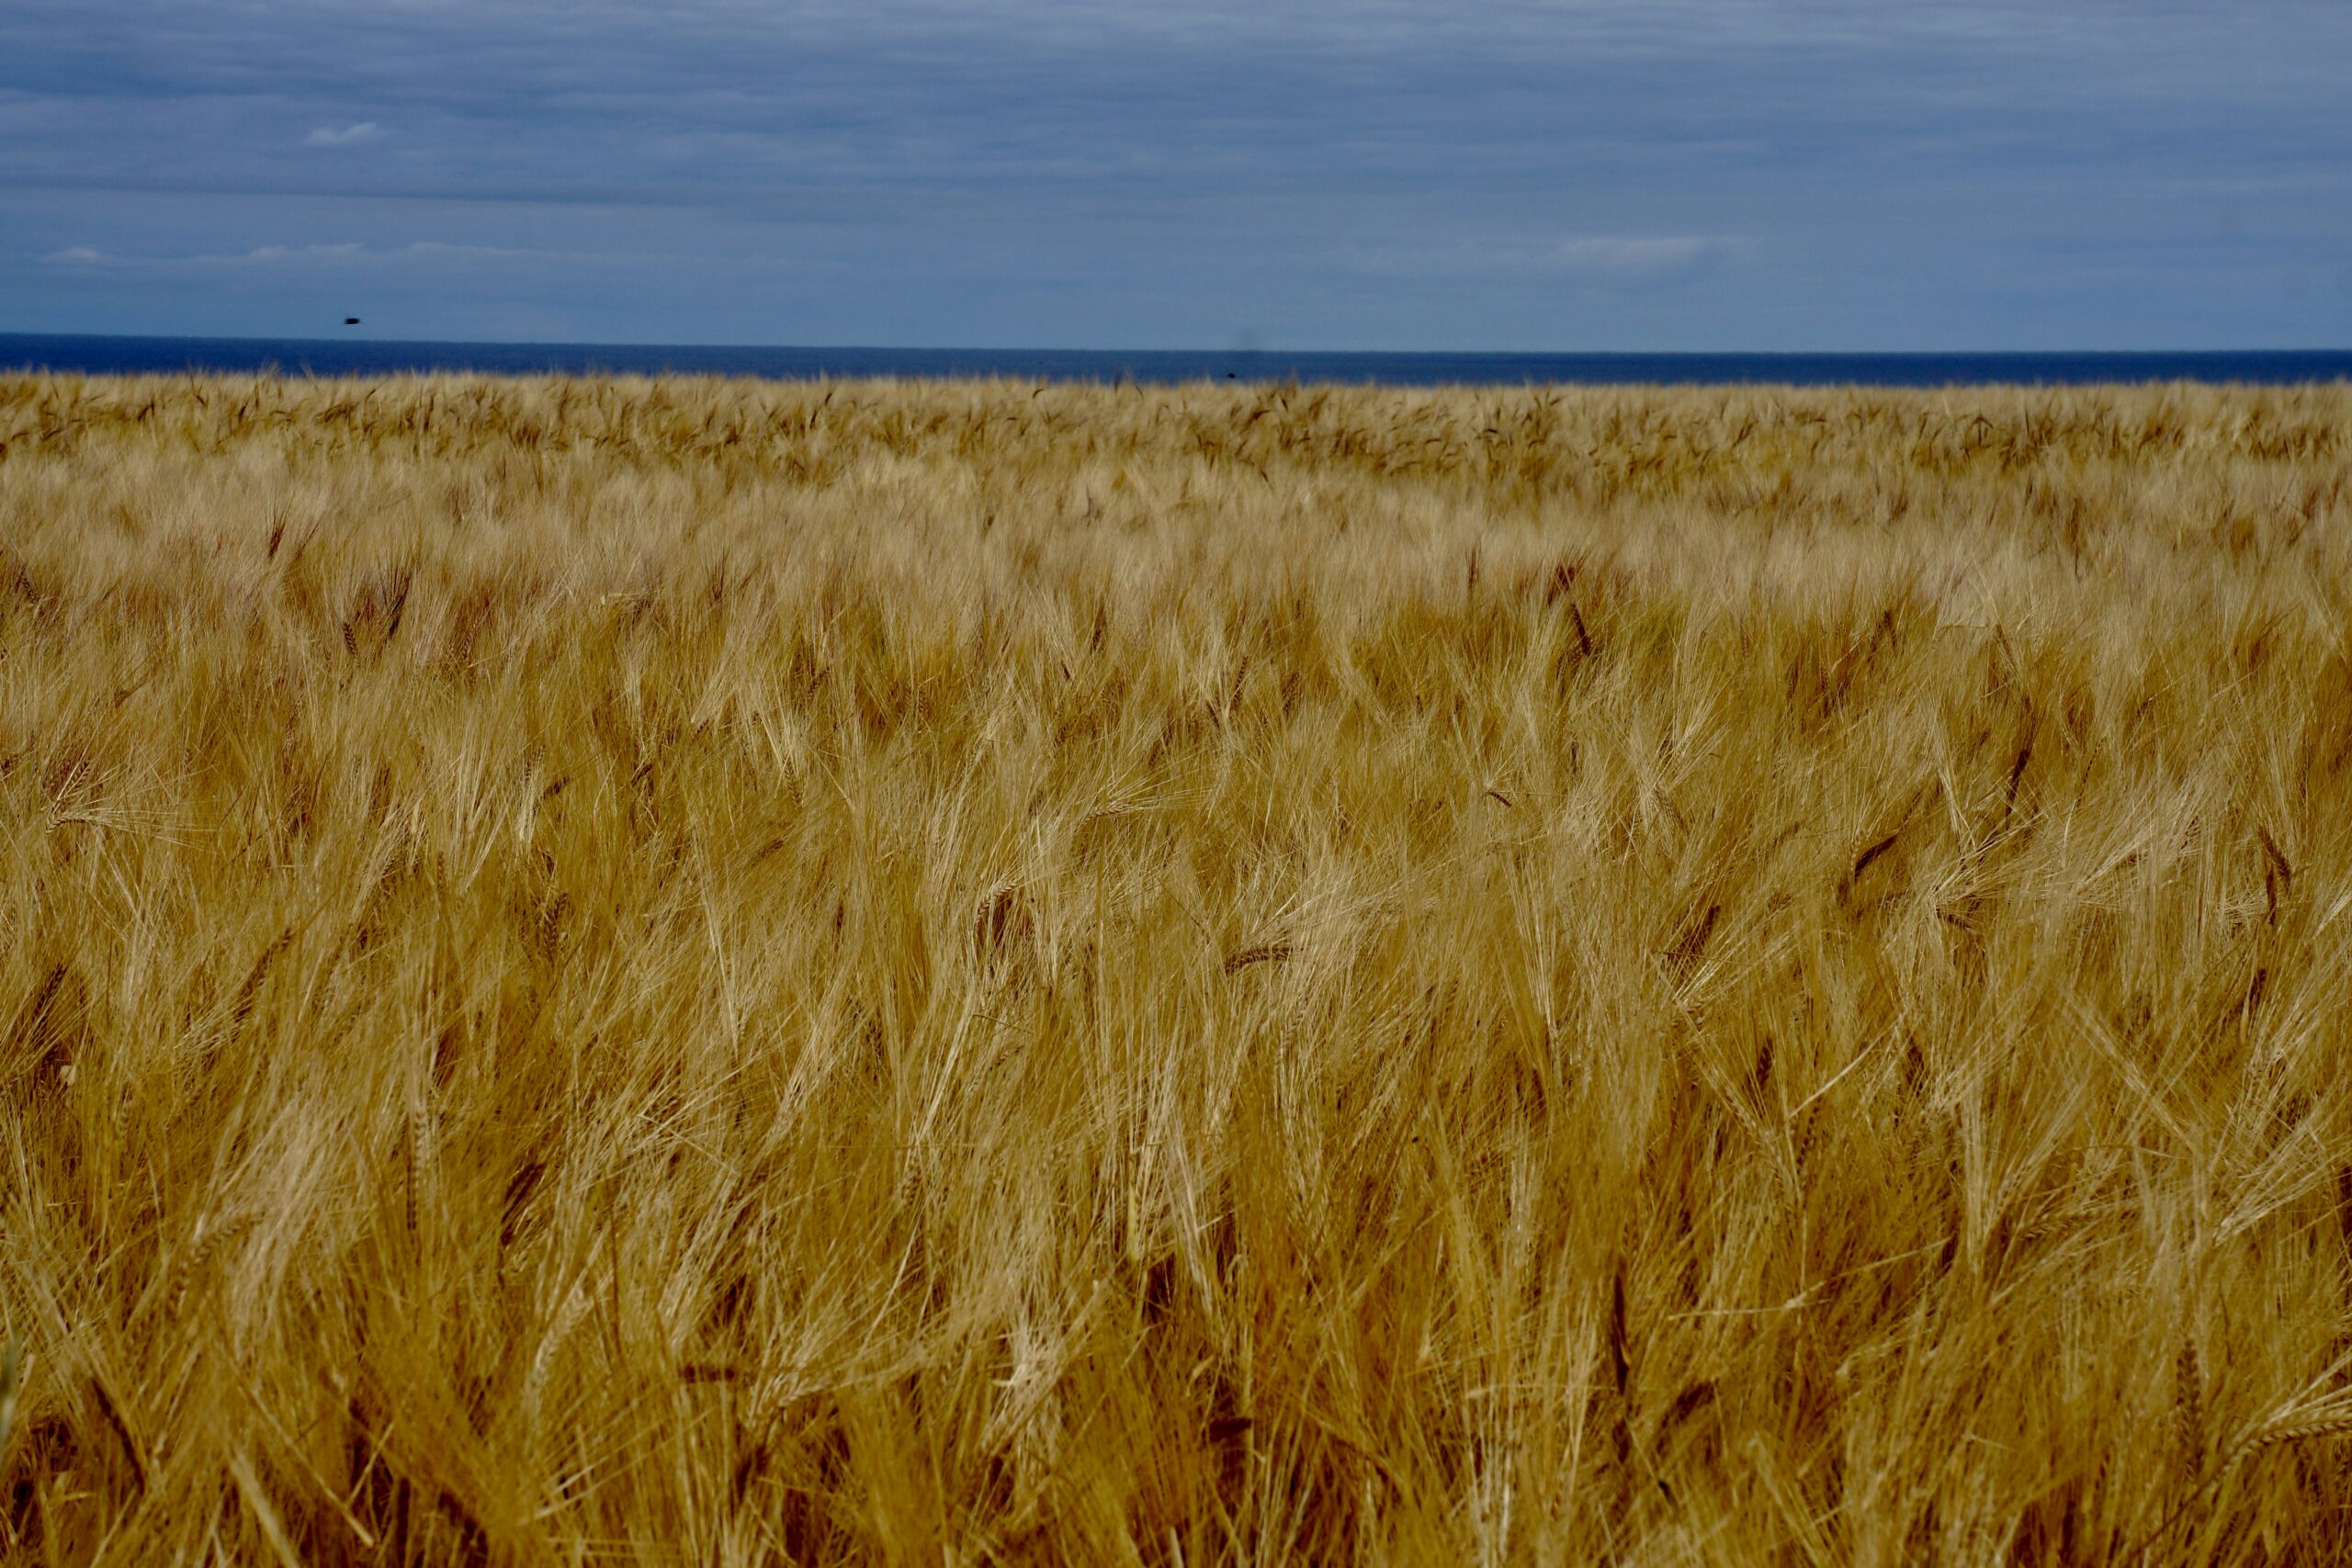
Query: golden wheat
x=731 y=972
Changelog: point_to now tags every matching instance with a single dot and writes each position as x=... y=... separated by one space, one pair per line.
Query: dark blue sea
x=363 y=356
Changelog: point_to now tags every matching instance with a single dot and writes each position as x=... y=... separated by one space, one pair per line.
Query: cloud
x=265 y=254
x=1626 y=258
x=341 y=254
x=259 y=256
x=1367 y=172
x=349 y=136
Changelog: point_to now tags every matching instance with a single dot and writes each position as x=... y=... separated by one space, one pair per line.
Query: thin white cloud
x=347 y=136
x=1599 y=258
x=269 y=254
x=345 y=254
x=261 y=255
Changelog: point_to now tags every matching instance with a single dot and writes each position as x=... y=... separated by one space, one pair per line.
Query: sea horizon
x=105 y=354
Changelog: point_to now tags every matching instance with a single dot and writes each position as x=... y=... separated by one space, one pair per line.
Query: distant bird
x=351 y=321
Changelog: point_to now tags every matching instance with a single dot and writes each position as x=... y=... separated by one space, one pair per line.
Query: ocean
x=364 y=356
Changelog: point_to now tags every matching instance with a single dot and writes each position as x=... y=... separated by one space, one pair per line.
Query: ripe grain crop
x=966 y=972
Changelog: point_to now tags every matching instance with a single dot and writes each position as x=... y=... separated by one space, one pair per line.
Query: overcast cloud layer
x=1603 y=175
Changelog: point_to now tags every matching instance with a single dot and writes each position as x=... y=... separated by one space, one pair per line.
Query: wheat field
x=953 y=973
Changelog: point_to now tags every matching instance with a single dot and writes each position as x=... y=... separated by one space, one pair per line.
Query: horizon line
x=1253 y=352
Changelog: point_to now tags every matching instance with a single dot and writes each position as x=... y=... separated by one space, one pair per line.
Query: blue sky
x=1638 y=175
